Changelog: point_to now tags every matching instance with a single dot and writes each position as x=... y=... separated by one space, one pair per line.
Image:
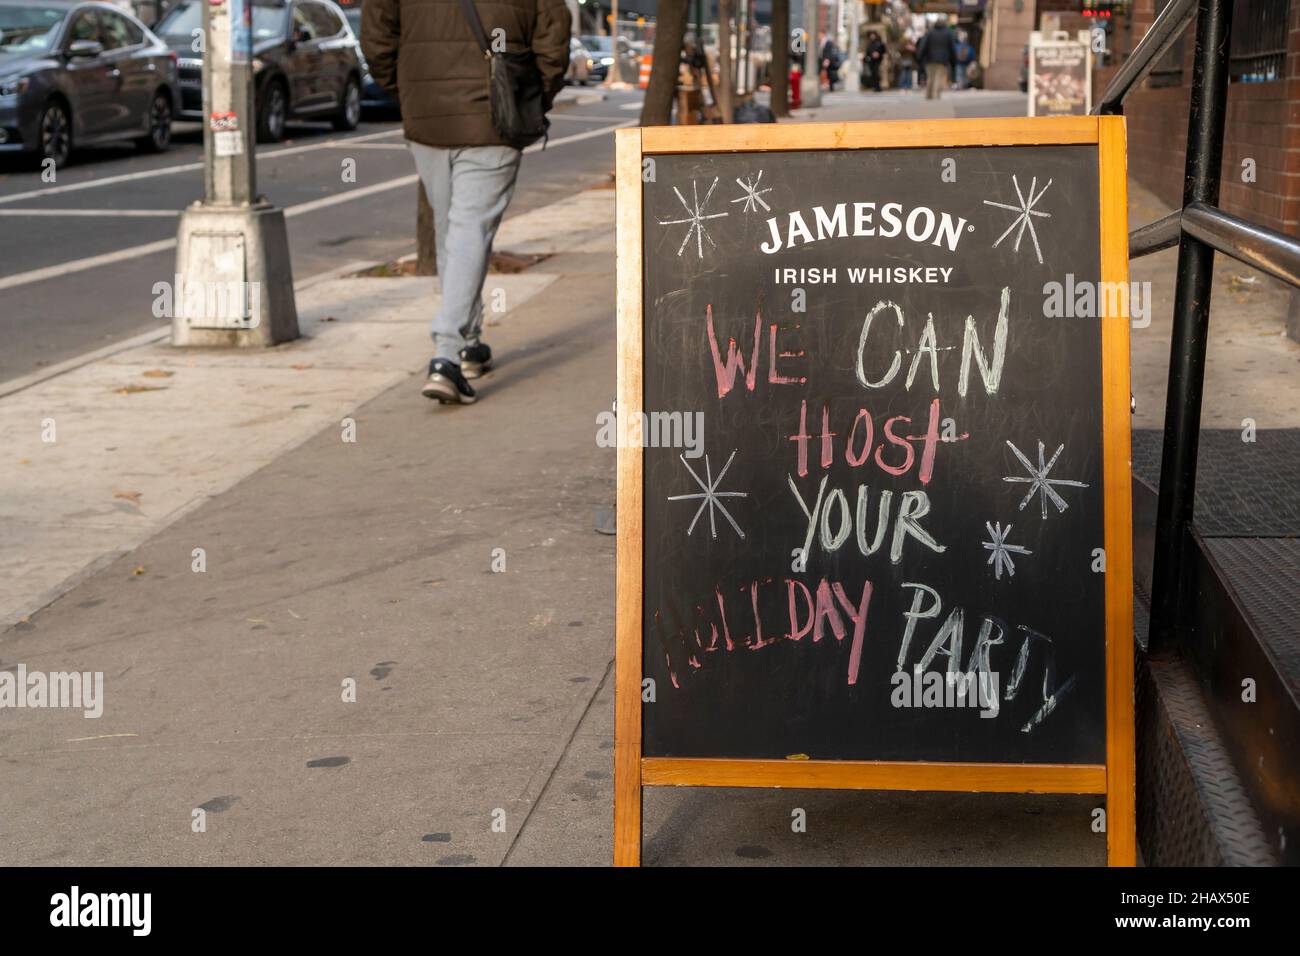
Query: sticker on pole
x=227 y=140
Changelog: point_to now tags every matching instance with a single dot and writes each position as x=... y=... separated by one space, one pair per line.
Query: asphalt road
x=79 y=257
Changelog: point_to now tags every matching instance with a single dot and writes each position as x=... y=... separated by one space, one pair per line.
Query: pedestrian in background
x=937 y=53
x=830 y=62
x=964 y=54
x=424 y=52
x=873 y=61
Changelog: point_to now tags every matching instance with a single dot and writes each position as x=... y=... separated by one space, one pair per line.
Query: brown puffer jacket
x=425 y=54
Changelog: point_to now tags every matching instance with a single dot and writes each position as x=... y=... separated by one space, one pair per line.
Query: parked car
x=601 y=50
x=76 y=74
x=306 y=63
x=374 y=98
x=580 y=63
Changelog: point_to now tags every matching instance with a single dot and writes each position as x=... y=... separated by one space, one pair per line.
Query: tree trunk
x=726 y=87
x=426 y=259
x=779 y=71
x=670 y=33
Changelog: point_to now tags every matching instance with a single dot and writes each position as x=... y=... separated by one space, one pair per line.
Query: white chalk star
x=696 y=217
x=1001 y=556
x=1026 y=209
x=753 y=197
x=710 y=495
x=1039 y=483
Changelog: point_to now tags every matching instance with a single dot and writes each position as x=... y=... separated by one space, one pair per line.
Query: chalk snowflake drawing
x=696 y=216
x=1001 y=556
x=1026 y=210
x=753 y=197
x=1039 y=483
x=709 y=496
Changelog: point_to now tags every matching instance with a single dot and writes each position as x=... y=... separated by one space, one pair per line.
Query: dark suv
x=306 y=63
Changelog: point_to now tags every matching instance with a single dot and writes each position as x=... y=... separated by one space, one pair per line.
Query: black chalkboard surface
x=873 y=484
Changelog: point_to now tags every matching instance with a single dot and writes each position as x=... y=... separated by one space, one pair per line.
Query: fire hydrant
x=796 y=92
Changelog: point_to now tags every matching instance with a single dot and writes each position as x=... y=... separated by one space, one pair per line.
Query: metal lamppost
x=234 y=279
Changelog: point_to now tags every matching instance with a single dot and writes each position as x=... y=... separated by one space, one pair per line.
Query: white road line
x=187 y=167
x=586 y=118
x=346 y=145
x=81 y=265
x=162 y=245
x=106 y=213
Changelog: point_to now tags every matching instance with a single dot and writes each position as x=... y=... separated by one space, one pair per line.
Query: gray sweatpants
x=469 y=189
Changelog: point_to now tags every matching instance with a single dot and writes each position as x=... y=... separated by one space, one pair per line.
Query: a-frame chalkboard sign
x=874 y=518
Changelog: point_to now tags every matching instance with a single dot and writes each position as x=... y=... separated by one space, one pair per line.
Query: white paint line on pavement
x=91 y=262
x=588 y=119
x=368 y=146
x=156 y=335
x=99 y=213
x=188 y=167
x=162 y=245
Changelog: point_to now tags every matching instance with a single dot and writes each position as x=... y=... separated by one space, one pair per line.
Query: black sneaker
x=447 y=384
x=475 y=360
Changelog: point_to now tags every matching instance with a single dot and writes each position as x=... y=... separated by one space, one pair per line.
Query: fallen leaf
x=132 y=389
x=301 y=366
x=131 y=496
x=138 y=570
x=157 y=373
x=24 y=461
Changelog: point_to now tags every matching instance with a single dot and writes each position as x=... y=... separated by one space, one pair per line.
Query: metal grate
x=1259 y=33
x=1243 y=488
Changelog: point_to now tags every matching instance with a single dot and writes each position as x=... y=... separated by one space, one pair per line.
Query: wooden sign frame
x=1114 y=778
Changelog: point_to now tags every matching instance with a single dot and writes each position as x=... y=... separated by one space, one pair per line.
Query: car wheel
x=349 y=114
x=56 y=134
x=160 y=125
x=272 y=113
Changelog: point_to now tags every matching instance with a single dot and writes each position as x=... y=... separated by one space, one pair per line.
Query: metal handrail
x=1257 y=246
x=1155 y=236
x=1166 y=29
x=1265 y=249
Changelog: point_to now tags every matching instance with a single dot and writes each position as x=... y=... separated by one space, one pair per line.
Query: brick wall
x=1263 y=124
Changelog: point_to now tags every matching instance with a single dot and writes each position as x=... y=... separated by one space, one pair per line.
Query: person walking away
x=906 y=65
x=964 y=53
x=830 y=62
x=425 y=54
x=936 y=54
x=873 y=60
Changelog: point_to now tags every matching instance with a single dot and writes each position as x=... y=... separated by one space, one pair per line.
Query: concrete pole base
x=234 y=279
x=810 y=90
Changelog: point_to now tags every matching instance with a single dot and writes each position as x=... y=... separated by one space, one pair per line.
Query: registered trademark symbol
x=970 y=228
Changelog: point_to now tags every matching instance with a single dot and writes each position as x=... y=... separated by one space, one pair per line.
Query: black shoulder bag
x=514 y=89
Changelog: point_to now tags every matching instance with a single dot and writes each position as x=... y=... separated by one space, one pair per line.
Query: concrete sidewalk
x=481 y=730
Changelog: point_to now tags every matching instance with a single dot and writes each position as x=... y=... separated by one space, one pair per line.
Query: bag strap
x=470 y=13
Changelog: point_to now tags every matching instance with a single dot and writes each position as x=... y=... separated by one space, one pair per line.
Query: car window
x=187 y=16
x=84 y=27
x=116 y=31
x=327 y=24
x=28 y=29
x=303 y=28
